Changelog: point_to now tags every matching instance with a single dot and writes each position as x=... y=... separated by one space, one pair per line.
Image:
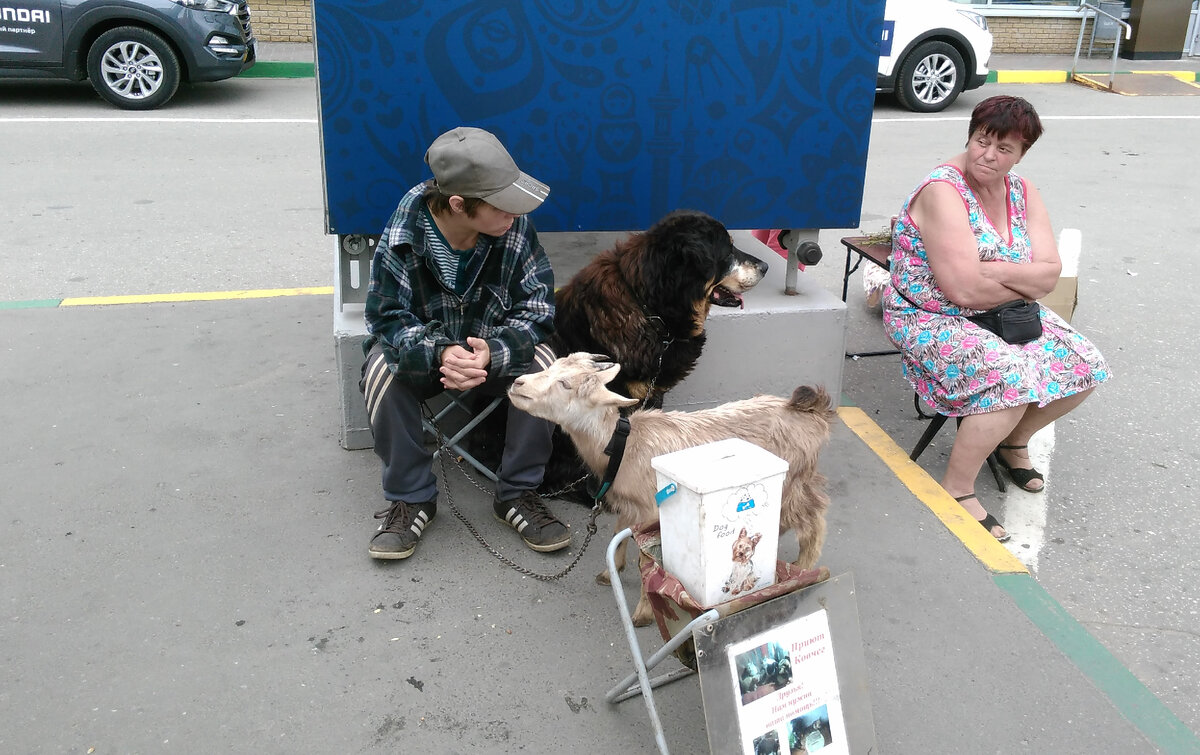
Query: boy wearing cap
x=461 y=295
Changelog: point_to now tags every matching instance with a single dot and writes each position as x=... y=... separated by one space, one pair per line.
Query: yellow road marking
x=1031 y=77
x=258 y=293
x=986 y=548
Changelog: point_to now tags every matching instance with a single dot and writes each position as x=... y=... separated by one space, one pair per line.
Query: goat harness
x=615 y=450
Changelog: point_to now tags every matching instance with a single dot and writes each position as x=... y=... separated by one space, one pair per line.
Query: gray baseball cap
x=471 y=162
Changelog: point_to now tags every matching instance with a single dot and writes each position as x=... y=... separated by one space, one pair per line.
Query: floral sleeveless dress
x=953 y=364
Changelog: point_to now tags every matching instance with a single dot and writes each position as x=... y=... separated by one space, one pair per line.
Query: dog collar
x=615 y=450
x=659 y=327
x=661 y=331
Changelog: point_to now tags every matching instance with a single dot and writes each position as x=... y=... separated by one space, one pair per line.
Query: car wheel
x=133 y=68
x=931 y=78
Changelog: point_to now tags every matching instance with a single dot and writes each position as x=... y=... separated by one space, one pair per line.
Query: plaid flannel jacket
x=509 y=301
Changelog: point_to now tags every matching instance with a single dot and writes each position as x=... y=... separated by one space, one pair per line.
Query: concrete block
x=349 y=332
x=774 y=344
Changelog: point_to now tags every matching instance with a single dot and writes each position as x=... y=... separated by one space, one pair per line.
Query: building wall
x=1032 y=35
x=291 y=21
x=282 y=20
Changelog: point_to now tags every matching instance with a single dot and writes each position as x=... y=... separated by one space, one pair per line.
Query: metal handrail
x=1112 y=73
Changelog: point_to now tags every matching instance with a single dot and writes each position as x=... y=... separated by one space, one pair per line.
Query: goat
x=573 y=392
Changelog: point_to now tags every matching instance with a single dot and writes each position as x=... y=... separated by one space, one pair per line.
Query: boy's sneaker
x=402 y=526
x=527 y=514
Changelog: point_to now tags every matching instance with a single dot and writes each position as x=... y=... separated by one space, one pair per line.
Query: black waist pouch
x=1017 y=321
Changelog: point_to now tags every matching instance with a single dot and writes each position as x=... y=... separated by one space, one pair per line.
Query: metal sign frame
x=824 y=694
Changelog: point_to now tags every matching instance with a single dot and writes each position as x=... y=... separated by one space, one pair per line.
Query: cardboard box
x=1065 y=295
x=1063 y=298
x=714 y=500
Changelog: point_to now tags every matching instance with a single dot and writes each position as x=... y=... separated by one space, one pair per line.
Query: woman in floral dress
x=972 y=236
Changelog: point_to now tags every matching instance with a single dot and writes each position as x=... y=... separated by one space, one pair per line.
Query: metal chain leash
x=444 y=450
x=654 y=380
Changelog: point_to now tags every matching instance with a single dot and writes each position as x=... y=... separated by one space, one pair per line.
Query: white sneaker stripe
x=514 y=518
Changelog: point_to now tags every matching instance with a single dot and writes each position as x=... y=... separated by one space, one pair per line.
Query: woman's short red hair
x=1005 y=115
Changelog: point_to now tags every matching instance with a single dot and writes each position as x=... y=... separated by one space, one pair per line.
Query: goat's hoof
x=642 y=621
x=603 y=579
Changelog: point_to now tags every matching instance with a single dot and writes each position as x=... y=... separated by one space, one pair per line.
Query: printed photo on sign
x=763 y=670
x=786 y=682
x=810 y=732
x=767 y=744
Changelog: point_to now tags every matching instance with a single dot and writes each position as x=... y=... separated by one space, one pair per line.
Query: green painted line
x=1145 y=711
x=991 y=77
x=30 y=304
x=278 y=70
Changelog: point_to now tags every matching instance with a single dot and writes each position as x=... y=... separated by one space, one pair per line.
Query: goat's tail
x=807 y=398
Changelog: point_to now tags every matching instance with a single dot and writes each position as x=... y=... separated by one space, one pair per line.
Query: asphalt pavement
x=185 y=565
x=183 y=547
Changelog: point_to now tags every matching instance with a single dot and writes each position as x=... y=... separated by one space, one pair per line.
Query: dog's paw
x=806 y=561
x=603 y=578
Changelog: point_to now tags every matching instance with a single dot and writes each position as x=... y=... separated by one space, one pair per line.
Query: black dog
x=644 y=303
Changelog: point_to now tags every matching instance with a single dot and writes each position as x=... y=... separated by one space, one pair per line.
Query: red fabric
x=770 y=237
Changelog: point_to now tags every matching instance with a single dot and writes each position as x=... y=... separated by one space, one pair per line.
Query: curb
x=1062 y=77
x=271 y=69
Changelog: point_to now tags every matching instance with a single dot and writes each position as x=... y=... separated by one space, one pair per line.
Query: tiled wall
x=1042 y=36
x=291 y=21
x=282 y=20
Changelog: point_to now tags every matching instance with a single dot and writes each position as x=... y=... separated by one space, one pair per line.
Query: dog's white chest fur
x=741 y=578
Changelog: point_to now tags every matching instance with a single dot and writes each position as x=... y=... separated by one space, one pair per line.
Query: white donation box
x=719 y=516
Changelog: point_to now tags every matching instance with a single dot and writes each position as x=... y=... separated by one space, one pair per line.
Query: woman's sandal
x=1019 y=475
x=988 y=521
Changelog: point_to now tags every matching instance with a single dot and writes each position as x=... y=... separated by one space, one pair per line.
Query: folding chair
x=671 y=603
x=935 y=424
x=462 y=403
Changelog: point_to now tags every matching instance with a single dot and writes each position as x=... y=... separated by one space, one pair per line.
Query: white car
x=931 y=51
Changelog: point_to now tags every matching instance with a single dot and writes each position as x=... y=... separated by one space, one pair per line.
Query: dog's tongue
x=723 y=297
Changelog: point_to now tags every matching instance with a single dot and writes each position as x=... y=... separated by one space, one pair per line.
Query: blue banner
x=755 y=111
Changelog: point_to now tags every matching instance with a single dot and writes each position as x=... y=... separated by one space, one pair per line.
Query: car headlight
x=220 y=6
x=971 y=16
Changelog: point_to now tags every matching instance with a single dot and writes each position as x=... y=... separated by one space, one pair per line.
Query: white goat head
x=569 y=391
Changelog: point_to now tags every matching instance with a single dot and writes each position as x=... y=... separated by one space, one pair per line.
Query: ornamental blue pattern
x=758 y=113
x=953 y=364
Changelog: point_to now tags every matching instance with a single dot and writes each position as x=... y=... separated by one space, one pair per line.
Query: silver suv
x=135 y=53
